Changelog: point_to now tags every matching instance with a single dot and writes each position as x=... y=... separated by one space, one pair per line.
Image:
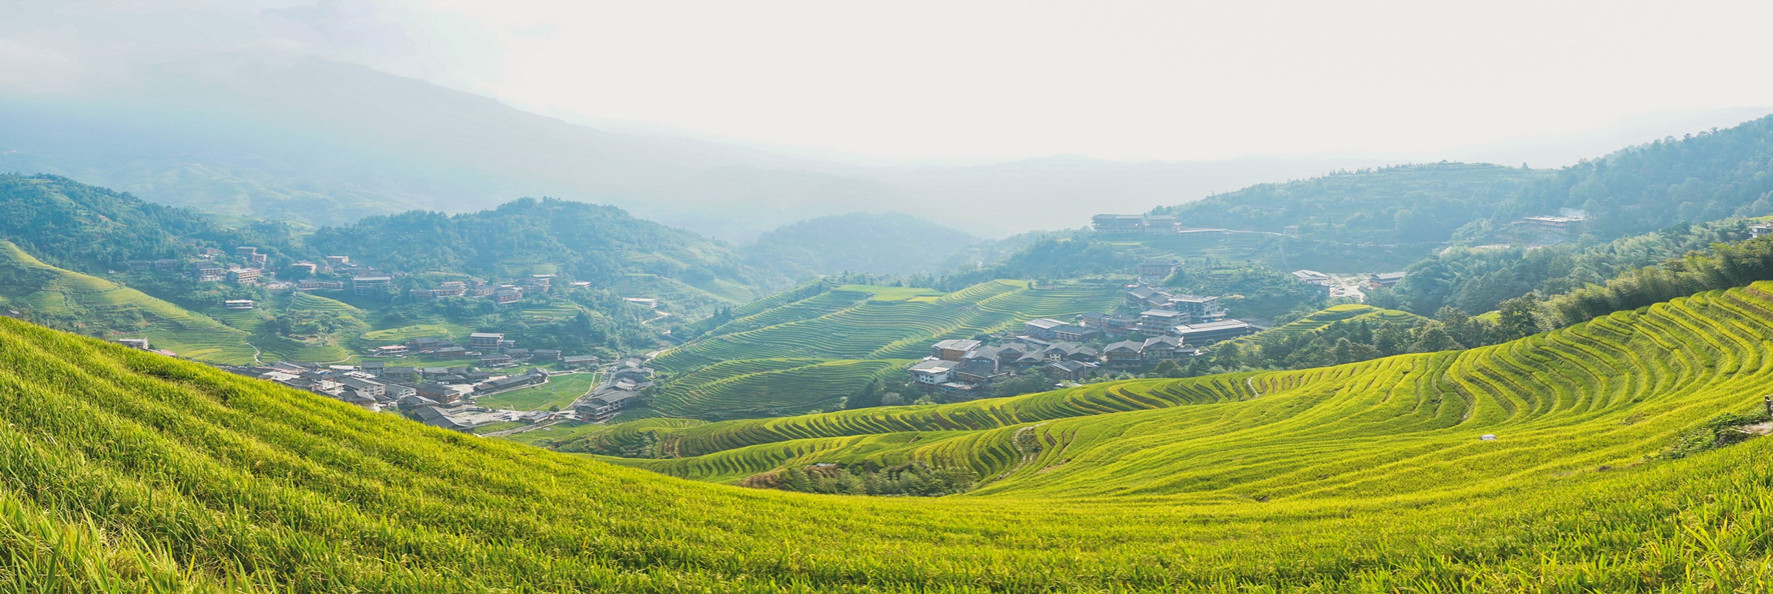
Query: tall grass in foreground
x=124 y=471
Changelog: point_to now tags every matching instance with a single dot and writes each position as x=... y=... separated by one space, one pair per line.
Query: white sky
x=991 y=80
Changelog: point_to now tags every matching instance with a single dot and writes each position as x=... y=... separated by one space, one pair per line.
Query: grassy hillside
x=1347 y=312
x=92 y=229
x=1602 y=395
x=130 y=472
x=99 y=307
x=889 y=322
x=807 y=349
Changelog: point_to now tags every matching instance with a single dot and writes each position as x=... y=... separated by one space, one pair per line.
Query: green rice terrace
x=1600 y=395
x=126 y=471
x=1346 y=312
x=804 y=350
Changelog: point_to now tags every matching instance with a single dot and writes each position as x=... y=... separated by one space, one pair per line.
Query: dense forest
x=1364 y=339
x=1478 y=279
x=1403 y=204
x=92 y=229
x=1699 y=177
x=587 y=241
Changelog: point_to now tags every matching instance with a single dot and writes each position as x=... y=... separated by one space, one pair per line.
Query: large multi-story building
x=243 y=276
x=1123 y=224
x=363 y=285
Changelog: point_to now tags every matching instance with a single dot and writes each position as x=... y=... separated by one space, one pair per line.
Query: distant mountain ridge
x=327 y=143
x=588 y=241
x=883 y=243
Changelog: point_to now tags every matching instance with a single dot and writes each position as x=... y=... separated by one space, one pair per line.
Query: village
x=1153 y=326
x=446 y=396
x=247 y=267
x=449 y=396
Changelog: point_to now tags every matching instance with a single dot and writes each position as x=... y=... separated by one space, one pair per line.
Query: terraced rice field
x=1342 y=313
x=757 y=387
x=906 y=328
x=1599 y=395
x=128 y=472
x=822 y=304
x=841 y=339
x=405 y=333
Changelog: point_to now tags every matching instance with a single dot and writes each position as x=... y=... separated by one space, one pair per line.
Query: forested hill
x=586 y=241
x=883 y=243
x=1693 y=179
x=88 y=228
x=1696 y=178
x=1404 y=204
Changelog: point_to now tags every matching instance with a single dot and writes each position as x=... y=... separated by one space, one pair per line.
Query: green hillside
x=128 y=472
x=589 y=242
x=95 y=306
x=896 y=325
x=1389 y=205
x=1605 y=394
x=1347 y=312
x=808 y=349
x=299 y=327
x=92 y=229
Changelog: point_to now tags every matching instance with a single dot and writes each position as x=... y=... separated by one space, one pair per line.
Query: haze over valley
x=914 y=297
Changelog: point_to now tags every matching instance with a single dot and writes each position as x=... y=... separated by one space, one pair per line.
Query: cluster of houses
x=1118 y=224
x=248 y=269
x=501 y=294
x=1568 y=220
x=437 y=396
x=492 y=349
x=621 y=388
x=1346 y=289
x=376 y=387
x=965 y=367
x=1195 y=319
x=1168 y=326
x=441 y=396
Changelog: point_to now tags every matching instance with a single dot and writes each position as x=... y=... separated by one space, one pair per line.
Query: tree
x=1521 y=317
x=1431 y=339
x=1391 y=339
x=1168 y=368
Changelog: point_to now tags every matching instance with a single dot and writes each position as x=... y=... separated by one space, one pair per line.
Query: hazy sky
x=988 y=80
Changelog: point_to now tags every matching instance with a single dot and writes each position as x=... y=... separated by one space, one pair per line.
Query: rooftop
x=958 y=344
x=935 y=366
x=1209 y=326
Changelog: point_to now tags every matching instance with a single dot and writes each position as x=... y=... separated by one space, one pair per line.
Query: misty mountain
x=883 y=243
x=320 y=142
x=585 y=241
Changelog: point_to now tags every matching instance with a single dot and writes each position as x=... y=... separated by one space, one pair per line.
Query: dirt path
x=1028 y=444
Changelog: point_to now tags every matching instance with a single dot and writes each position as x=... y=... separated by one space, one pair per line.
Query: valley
x=1358 y=486
x=286 y=306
